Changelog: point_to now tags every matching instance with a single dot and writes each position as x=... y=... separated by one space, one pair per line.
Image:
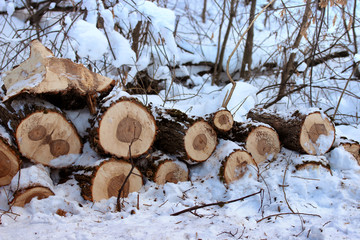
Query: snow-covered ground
x=292 y=204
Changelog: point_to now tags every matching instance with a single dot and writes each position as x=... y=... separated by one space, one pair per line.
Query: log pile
x=134 y=142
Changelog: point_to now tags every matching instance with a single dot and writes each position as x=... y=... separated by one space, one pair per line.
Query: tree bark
x=189 y=139
x=121 y=123
x=260 y=140
x=105 y=180
x=306 y=132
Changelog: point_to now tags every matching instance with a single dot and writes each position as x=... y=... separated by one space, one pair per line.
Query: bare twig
x=289 y=213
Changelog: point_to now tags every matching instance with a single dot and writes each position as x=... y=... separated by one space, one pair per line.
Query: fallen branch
x=289 y=213
x=220 y=204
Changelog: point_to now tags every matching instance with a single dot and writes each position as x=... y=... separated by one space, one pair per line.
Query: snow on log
x=29 y=183
x=187 y=138
x=350 y=146
x=221 y=120
x=62 y=81
x=306 y=162
x=310 y=132
x=120 y=124
x=9 y=162
x=105 y=180
x=259 y=139
x=42 y=132
x=161 y=168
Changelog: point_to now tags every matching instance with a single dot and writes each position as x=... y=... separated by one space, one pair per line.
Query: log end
x=26 y=195
x=263 y=143
x=171 y=171
x=223 y=120
x=354 y=149
x=109 y=178
x=9 y=164
x=200 y=141
x=236 y=166
x=317 y=134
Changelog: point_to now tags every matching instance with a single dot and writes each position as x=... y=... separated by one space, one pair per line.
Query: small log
x=9 y=162
x=104 y=181
x=221 y=121
x=306 y=162
x=350 y=146
x=33 y=182
x=259 y=139
x=235 y=162
x=161 y=168
x=188 y=139
x=306 y=132
x=42 y=132
x=120 y=124
x=60 y=80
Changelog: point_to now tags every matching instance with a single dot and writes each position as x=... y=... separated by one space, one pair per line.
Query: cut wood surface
x=123 y=123
x=24 y=196
x=44 y=135
x=105 y=180
x=350 y=146
x=43 y=73
x=9 y=162
x=310 y=132
x=161 y=168
x=307 y=162
x=221 y=121
x=189 y=139
x=259 y=139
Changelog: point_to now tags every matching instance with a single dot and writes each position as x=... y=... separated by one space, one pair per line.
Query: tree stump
x=104 y=181
x=34 y=182
x=161 y=168
x=9 y=162
x=260 y=140
x=121 y=124
x=306 y=132
x=350 y=146
x=221 y=121
x=188 y=139
x=42 y=132
x=61 y=81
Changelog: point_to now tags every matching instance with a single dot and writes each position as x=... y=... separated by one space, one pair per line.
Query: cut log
x=306 y=162
x=235 y=164
x=350 y=146
x=105 y=180
x=259 y=139
x=42 y=132
x=162 y=168
x=120 y=124
x=61 y=80
x=33 y=182
x=306 y=132
x=9 y=162
x=221 y=121
x=188 y=139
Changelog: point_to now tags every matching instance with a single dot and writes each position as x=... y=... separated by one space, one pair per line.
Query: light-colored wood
x=236 y=165
x=44 y=73
x=200 y=141
x=171 y=171
x=9 y=163
x=353 y=148
x=263 y=143
x=223 y=120
x=317 y=134
x=109 y=178
x=25 y=196
x=123 y=124
x=43 y=136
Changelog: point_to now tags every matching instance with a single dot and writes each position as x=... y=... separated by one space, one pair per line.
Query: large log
x=189 y=139
x=29 y=183
x=41 y=131
x=310 y=132
x=120 y=124
x=105 y=180
x=9 y=161
x=259 y=139
x=60 y=80
x=161 y=168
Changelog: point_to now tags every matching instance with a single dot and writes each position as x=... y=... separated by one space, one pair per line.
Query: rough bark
x=221 y=120
x=121 y=123
x=309 y=132
x=260 y=140
x=104 y=181
x=161 y=168
x=189 y=139
x=59 y=80
x=42 y=132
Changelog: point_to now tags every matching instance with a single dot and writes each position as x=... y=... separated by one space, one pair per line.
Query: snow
x=311 y=203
